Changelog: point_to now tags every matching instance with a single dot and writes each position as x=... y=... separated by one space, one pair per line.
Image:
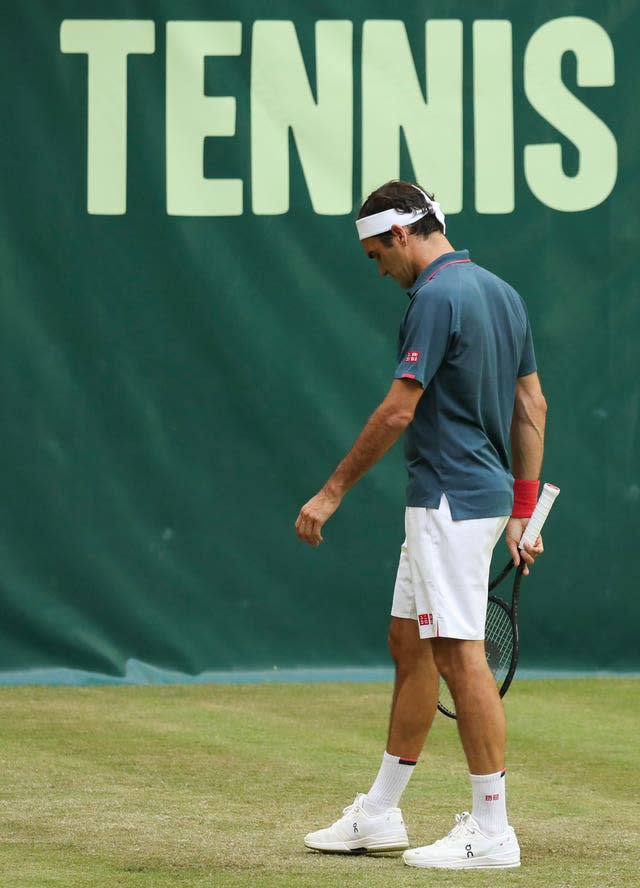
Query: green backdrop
x=191 y=337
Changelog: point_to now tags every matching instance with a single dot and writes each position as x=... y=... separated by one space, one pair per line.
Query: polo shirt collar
x=435 y=267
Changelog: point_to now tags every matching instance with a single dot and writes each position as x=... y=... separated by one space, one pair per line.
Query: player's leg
x=462 y=552
x=415 y=693
x=374 y=817
x=481 y=725
x=479 y=709
x=482 y=838
x=374 y=821
x=413 y=707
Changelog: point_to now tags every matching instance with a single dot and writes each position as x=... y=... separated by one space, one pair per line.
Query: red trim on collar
x=446 y=264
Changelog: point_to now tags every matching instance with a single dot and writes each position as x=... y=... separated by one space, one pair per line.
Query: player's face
x=394 y=261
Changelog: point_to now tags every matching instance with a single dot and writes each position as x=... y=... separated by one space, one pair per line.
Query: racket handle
x=542 y=509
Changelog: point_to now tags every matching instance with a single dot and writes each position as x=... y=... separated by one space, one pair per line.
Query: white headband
x=378 y=223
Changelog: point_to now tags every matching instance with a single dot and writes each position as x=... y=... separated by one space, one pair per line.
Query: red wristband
x=525 y=497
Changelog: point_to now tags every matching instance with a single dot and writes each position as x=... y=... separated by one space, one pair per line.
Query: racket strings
x=498 y=641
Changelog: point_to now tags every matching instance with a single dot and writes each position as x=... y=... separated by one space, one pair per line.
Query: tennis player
x=467 y=397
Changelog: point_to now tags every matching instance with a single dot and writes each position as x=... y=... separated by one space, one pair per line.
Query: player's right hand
x=313 y=516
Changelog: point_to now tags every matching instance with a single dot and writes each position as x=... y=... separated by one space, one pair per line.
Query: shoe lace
x=351 y=809
x=355 y=805
x=463 y=826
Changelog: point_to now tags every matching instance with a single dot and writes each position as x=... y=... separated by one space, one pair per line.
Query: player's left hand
x=314 y=514
x=513 y=535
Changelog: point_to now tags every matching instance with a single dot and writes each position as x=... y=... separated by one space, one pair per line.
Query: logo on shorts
x=425 y=619
x=412 y=357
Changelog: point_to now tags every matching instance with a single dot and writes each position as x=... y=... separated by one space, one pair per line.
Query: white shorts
x=444 y=572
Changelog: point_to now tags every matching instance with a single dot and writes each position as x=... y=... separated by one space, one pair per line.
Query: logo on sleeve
x=412 y=357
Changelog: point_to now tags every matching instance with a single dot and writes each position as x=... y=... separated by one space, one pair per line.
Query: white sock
x=490 y=802
x=393 y=776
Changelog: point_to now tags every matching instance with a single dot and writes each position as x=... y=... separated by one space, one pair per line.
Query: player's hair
x=403 y=197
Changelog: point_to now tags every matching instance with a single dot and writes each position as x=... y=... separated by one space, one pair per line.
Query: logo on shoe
x=467 y=848
x=355 y=827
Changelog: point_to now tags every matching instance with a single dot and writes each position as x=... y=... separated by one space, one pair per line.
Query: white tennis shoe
x=357 y=832
x=466 y=847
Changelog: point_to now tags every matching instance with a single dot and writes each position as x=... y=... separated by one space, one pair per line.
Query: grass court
x=215 y=785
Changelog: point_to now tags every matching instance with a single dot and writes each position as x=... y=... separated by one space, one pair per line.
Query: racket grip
x=542 y=509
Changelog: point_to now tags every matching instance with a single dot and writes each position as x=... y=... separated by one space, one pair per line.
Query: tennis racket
x=501 y=635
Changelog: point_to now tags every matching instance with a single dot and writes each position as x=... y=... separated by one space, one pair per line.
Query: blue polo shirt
x=465 y=338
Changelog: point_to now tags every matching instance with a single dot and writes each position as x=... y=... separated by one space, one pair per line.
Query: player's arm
x=527 y=450
x=385 y=425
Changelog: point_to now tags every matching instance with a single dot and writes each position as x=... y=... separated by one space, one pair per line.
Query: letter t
x=107 y=44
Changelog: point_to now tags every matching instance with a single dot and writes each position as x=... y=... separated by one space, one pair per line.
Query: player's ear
x=399 y=233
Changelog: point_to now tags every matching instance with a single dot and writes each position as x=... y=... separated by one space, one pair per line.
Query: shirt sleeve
x=424 y=336
x=528 y=358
